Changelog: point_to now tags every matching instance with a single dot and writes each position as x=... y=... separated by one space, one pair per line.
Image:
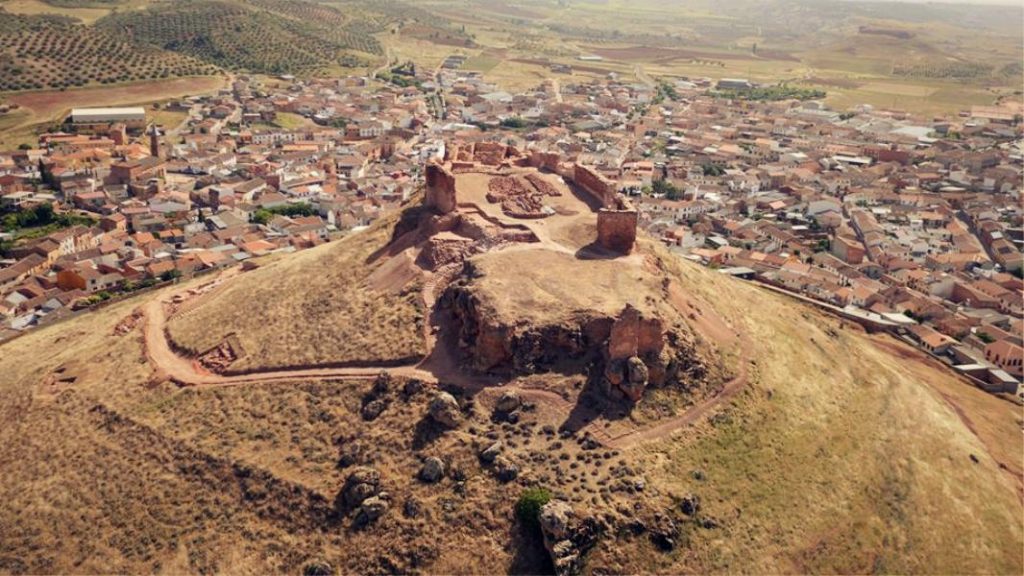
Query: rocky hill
x=557 y=394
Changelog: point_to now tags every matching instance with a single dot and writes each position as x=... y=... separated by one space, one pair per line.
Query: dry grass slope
x=315 y=308
x=839 y=457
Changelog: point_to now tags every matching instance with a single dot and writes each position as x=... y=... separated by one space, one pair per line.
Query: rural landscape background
x=511 y=286
x=931 y=58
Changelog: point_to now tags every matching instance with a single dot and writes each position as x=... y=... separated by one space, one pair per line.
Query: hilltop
x=531 y=339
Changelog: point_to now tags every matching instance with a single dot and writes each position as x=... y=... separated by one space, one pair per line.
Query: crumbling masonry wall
x=440 y=189
x=616 y=227
x=545 y=160
x=595 y=184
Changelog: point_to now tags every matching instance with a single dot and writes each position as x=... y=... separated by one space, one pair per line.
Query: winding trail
x=188 y=372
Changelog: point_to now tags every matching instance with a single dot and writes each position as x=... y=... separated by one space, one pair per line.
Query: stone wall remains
x=545 y=160
x=616 y=227
x=440 y=189
x=595 y=184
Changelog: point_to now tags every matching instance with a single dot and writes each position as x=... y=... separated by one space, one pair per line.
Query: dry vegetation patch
x=316 y=308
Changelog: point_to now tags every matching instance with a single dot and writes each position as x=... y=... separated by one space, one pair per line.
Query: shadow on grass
x=530 y=556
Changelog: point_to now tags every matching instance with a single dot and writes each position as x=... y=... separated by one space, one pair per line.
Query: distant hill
x=40 y=52
x=268 y=36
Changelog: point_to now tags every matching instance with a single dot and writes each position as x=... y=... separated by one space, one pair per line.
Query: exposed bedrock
x=631 y=351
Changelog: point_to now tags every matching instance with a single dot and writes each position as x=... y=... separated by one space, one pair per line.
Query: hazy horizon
x=1018 y=3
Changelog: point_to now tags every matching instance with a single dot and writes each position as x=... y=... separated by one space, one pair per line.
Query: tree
x=513 y=122
x=529 y=504
x=666 y=189
x=710 y=169
x=170 y=275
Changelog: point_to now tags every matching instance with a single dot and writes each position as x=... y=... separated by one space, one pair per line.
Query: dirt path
x=188 y=372
x=695 y=414
x=438 y=366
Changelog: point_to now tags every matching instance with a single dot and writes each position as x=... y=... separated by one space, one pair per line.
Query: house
x=87 y=278
x=932 y=340
x=1006 y=355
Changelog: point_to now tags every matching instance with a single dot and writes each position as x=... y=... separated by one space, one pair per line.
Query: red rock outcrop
x=634 y=335
x=446 y=248
x=632 y=351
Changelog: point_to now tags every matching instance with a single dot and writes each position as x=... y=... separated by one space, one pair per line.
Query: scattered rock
x=411 y=508
x=444 y=410
x=636 y=527
x=664 y=533
x=350 y=454
x=362 y=483
x=508 y=402
x=371 y=509
x=490 y=453
x=505 y=470
x=690 y=504
x=432 y=470
x=319 y=568
x=412 y=388
x=373 y=409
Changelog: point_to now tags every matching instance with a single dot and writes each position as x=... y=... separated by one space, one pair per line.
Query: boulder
x=634 y=380
x=489 y=454
x=636 y=371
x=432 y=470
x=508 y=402
x=505 y=470
x=361 y=484
x=690 y=504
x=555 y=520
x=444 y=410
x=373 y=409
x=370 y=510
x=381 y=384
x=567 y=537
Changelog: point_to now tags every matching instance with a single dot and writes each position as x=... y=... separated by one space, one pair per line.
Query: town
x=894 y=221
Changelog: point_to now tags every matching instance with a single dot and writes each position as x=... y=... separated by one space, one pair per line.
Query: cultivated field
x=38 y=111
x=944 y=65
x=42 y=52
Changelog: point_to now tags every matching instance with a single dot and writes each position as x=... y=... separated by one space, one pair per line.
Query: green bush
x=529 y=505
